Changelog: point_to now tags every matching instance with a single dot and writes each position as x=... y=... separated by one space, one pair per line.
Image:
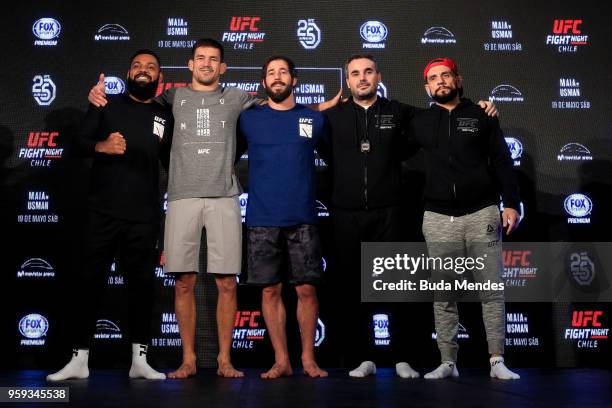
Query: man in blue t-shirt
x=281 y=213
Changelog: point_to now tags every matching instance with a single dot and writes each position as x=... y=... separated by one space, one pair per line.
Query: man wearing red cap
x=468 y=166
x=368 y=145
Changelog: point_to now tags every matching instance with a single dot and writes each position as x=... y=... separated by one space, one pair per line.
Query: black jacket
x=368 y=180
x=468 y=164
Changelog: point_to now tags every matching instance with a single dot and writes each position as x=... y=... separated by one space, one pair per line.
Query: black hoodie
x=368 y=180
x=126 y=186
x=468 y=164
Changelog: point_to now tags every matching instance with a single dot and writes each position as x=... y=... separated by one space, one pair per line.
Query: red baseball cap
x=447 y=62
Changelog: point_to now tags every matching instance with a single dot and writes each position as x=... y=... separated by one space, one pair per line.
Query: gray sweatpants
x=468 y=235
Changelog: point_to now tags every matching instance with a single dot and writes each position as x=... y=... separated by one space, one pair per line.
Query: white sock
x=77 y=367
x=140 y=368
x=499 y=369
x=405 y=371
x=366 y=368
x=444 y=370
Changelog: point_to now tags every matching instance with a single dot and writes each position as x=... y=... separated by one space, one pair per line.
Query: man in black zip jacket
x=468 y=166
x=126 y=140
x=369 y=142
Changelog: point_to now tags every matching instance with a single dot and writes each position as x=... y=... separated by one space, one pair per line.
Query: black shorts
x=268 y=247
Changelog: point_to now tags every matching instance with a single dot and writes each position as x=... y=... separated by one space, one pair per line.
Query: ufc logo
x=514 y=258
x=582 y=318
x=38 y=139
x=563 y=26
x=241 y=23
x=243 y=317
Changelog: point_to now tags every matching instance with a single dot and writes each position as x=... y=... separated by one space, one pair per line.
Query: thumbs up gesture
x=97 y=94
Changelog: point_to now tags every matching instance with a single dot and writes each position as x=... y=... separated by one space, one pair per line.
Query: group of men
x=195 y=131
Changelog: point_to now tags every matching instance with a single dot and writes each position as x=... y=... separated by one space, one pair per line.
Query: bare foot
x=186 y=370
x=227 y=370
x=311 y=369
x=278 y=370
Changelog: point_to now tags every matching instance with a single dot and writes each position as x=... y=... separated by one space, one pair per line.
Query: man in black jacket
x=126 y=139
x=369 y=142
x=468 y=166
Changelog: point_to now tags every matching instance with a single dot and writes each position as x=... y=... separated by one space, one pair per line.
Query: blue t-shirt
x=281 y=164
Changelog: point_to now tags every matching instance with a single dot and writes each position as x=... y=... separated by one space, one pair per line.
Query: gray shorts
x=184 y=222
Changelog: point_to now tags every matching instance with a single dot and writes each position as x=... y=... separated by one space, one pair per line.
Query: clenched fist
x=114 y=144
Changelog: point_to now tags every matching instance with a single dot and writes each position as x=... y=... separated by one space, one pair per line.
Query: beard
x=363 y=97
x=142 y=90
x=278 y=96
x=452 y=94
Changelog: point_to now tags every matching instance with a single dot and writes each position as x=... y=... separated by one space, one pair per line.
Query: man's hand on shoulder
x=489 y=108
x=328 y=104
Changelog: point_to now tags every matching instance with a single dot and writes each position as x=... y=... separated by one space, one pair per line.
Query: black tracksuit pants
x=135 y=243
x=355 y=327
